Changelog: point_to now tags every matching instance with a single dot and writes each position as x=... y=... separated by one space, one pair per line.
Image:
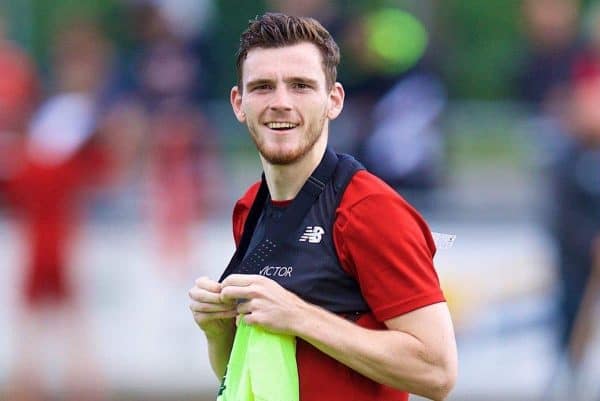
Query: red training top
x=387 y=247
x=48 y=199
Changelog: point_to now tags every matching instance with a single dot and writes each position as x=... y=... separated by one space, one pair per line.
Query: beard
x=280 y=157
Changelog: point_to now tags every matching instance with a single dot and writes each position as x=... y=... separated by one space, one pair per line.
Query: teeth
x=280 y=125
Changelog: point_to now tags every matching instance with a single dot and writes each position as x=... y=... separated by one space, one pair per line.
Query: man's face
x=285 y=101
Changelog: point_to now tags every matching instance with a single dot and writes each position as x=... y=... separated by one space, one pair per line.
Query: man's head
x=287 y=91
x=274 y=30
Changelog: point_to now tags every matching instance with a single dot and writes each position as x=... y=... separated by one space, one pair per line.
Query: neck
x=285 y=181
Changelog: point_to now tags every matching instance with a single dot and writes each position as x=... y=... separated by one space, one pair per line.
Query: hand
x=263 y=302
x=211 y=314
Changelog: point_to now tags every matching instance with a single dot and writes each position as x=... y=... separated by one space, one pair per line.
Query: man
x=353 y=281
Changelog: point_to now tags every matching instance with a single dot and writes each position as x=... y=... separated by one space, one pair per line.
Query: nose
x=281 y=100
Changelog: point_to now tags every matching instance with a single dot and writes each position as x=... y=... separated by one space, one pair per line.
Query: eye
x=300 y=85
x=262 y=87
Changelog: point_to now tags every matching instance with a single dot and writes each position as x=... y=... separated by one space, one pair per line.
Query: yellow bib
x=262 y=367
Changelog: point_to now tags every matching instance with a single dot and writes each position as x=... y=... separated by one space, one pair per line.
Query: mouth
x=281 y=125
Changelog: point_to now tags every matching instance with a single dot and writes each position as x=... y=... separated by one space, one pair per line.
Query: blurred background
x=120 y=162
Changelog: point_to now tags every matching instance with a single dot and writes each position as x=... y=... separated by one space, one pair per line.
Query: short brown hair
x=278 y=30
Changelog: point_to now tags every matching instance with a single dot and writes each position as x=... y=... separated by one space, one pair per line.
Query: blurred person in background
x=577 y=193
x=167 y=80
x=559 y=82
x=62 y=158
x=162 y=67
x=398 y=100
x=551 y=29
x=399 y=337
x=181 y=176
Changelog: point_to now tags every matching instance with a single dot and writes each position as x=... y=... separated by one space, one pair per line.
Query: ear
x=235 y=98
x=336 y=101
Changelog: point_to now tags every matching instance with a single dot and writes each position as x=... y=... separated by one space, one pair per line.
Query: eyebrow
x=304 y=80
x=264 y=81
x=258 y=82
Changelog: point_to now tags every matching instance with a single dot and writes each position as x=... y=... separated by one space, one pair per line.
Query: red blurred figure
x=47 y=191
x=182 y=178
x=61 y=157
x=173 y=181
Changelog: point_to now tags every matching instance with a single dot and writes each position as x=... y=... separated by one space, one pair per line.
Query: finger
x=201 y=295
x=251 y=319
x=208 y=284
x=210 y=308
x=231 y=294
x=203 y=317
x=241 y=280
x=247 y=307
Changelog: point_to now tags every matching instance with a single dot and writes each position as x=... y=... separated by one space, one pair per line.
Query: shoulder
x=368 y=192
x=241 y=210
x=364 y=184
x=386 y=245
x=369 y=205
x=245 y=202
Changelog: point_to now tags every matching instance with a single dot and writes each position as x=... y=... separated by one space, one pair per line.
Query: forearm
x=391 y=357
x=219 y=349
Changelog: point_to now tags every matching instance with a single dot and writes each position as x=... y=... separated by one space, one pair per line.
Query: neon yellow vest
x=262 y=367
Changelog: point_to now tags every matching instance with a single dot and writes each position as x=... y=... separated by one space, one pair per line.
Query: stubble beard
x=281 y=158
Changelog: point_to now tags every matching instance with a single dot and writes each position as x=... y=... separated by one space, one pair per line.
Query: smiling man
x=326 y=252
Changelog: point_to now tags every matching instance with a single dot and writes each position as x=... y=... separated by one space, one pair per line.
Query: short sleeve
x=387 y=246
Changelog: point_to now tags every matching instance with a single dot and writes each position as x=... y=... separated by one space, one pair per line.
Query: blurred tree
x=233 y=19
x=478 y=45
x=480 y=39
x=34 y=22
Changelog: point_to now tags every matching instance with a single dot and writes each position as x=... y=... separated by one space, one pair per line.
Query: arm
x=583 y=330
x=417 y=354
x=219 y=349
x=216 y=319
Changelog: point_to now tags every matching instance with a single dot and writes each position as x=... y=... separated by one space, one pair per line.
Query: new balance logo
x=312 y=234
